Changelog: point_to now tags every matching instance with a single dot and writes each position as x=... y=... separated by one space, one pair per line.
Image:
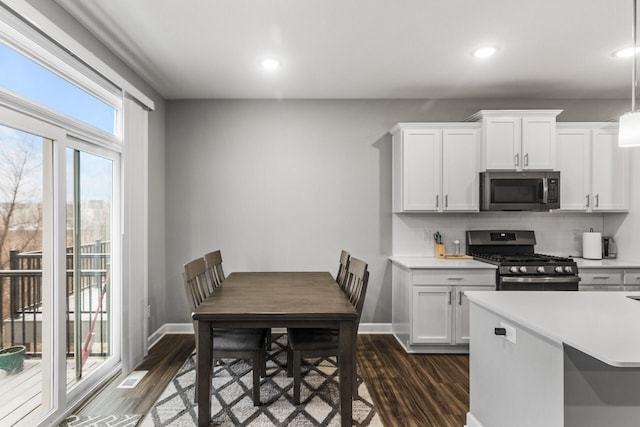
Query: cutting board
x=451 y=256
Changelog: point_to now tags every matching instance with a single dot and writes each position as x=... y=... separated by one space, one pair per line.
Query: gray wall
x=284 y=185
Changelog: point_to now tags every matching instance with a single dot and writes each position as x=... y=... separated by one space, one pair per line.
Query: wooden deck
x=22 y=392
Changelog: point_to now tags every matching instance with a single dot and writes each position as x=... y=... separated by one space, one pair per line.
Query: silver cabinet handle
x=446 y=200
x=587 y=200
x=517 y=159
x=437 y=200
x=526 y=160
x=597 y=200
x=601 y=277
x=449 y=297
x=459 y=297
x=455 y=278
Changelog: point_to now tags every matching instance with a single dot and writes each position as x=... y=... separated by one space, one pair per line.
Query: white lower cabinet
x=440 y=314
x=430 y=310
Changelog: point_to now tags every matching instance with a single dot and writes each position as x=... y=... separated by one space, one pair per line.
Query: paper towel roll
x=592 y=245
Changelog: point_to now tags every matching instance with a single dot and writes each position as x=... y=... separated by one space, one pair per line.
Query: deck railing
x=21 y=299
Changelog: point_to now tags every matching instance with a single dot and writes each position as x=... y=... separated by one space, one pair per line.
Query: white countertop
x=604 y=325
x=430 y=262
x=606 y=263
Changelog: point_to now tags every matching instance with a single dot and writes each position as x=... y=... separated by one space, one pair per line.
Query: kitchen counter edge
x=439 y=263
x=586 y=264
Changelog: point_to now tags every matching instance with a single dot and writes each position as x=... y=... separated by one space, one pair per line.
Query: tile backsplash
x=557 y=233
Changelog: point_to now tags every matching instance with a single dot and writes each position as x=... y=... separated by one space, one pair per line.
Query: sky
x=23 y=76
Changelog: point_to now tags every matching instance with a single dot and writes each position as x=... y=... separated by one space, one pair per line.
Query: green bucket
x=12 y=359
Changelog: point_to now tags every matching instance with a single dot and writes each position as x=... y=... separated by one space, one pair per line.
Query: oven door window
x=526 y=191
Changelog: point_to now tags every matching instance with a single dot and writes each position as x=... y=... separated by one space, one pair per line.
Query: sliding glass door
x=89 y=211
x=26 y=355
x=59 y=268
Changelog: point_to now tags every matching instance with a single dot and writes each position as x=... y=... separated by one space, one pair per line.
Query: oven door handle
x=562 y=279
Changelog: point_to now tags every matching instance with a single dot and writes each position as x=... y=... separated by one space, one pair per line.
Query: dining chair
x=214 y=267
x=216 y=277
x=236 y=343
x=323 y=342
x=341 y=277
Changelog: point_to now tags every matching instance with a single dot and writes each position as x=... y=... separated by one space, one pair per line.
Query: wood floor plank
x=409 y=390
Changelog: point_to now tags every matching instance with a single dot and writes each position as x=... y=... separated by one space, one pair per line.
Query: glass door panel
x=89 y=236
x=25 y=355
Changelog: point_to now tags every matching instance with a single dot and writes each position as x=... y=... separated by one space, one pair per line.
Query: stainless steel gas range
x=519 y=267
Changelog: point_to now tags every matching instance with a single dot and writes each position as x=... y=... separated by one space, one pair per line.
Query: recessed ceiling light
x=627 y=52
x=270 y=64
x=484 y=52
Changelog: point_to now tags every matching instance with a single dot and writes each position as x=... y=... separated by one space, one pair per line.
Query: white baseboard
x=169 y=328
x=187 y=328
x=472 y=421
x=375 y=328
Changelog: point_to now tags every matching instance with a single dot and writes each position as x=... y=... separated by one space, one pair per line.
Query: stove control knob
x=513 y=269
x=540 y=269
x=558 y=269
x=568 y=269
x=523 y=269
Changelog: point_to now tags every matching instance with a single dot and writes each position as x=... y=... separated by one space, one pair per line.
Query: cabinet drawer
x=600 y=288
x=454 y=277
x=632 y=278
x=603 y=277
x=632 y=288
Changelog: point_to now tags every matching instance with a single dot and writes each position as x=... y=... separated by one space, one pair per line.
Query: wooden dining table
x=277 y=300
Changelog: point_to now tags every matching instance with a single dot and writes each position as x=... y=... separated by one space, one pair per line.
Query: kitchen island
x=554 y=359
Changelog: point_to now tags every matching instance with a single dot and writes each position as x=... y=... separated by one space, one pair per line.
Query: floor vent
x=132 y=379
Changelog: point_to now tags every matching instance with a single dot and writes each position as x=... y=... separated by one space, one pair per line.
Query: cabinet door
x=610 y=166
x=462 y=311
x=422 y=161
x=502 y=143
x=431 y=314
x=573 y=147
x=460 y=170
x=538 y=143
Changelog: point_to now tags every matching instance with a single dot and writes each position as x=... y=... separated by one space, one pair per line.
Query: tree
x=20 y=193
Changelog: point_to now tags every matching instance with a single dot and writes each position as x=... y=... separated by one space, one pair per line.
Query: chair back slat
x=214 y=268
x=341 y=277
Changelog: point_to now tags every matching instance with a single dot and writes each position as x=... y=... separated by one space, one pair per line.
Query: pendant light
x=629 y=131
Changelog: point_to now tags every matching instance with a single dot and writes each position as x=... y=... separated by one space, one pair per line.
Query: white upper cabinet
x=594 y=171
x=609 y=171
x=518 y=139
x=574 y=163
x=460 y=181
x=435 y=167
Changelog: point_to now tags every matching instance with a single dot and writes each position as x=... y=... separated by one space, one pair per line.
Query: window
x=25 y=77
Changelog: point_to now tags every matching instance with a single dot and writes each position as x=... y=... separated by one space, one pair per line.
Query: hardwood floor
x=420 y=390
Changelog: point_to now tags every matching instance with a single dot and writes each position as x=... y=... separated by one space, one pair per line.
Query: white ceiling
x=368 y=48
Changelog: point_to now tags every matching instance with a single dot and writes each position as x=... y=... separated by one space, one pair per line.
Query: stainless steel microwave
x=519 y=191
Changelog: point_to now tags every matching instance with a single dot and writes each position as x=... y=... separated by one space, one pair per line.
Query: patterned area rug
x=101 y=421
x=231 y=403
